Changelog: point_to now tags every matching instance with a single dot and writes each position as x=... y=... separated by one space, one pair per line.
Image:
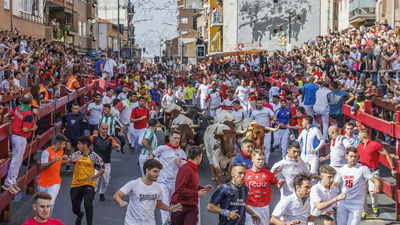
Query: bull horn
x=240 y=132
x=160 y=117
x=236 y=122
x=211 y=121
x=272 y=129
x=184 y=112
x=194 y=126
x=173 y=126
x=202 y=113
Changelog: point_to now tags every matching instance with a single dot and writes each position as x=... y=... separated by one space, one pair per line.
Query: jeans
x=85 y=193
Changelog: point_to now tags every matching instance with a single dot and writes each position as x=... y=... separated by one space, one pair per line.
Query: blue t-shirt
x=283 y=115
x=336 y=101
x=97 y=66
x=240 y=159
x=310 y=90
x=231 y=197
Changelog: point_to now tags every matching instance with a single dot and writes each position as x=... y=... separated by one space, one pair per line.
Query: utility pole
x=118 y=38
x=393 y=14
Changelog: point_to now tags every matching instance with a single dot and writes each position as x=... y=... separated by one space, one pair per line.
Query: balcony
x=49 y=33
x=90 y=11
x=362 y=12
x=30 y=16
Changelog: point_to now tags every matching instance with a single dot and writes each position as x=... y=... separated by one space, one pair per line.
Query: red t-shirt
x=21 y=120
x=131 y=86
x=112 y=84
x=137 y=113
x=50 y=221
x=259 y=187
x=369 y=154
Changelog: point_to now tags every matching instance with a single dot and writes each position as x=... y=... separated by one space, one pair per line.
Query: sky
x=154 y=20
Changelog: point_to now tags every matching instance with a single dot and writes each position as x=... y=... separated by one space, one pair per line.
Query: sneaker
x=78 y=220
x=11 y=189
x=364 y=215
x=375 y=210
x=15 y=186
x=102 y=198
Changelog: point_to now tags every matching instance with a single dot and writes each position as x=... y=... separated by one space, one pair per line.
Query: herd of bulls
x=220 y=136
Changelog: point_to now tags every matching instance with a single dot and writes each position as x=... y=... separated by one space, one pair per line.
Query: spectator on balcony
x=44 y=92
x=6 y=85
x=336 y=99
x=321 y=107
x=23 y=125
x=72 y=83
x=310 y=89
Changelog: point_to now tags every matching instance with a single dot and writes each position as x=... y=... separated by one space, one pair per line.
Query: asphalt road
x=125 y=168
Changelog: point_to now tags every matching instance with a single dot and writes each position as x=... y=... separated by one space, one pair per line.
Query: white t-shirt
x=353 y=184
x=167 y=156
x=203 y=91
x=125 y=114
x=108 y=100
x=320 y=194
x=321 y=102
x=243 y=93
x=261 y=116
x=239 y=114
x=142 y=202
x=109 y=66
x=338 y=151
x=291 y=208
x=181 y=94
x=290 y=168
x=17 y=82
x=96 y=113
x=169 y=99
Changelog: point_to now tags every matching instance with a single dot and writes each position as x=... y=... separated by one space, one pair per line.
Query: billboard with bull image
x=259 y=22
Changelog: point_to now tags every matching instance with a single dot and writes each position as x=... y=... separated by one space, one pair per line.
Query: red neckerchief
x=245 y=156
x=333 y=142
x=169 y=145
x=193 y=165
x=169 y=94
x=239 y=108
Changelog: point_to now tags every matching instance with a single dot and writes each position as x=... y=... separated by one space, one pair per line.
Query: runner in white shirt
x=227 y=104
x=312 y=141
x=215 y=98
x=109 y=97
x=242 y=92
x=324 y=196
x=296 y=208
x=238 y=111
x=144 y=196
x=289 y=167
x=94 y=111
x=321 y=107
x=171 y=157
x=180 y=94
x=125 y=115
x=353 y=178
x=202 y=93
x=168 y=99
x=262 y=116
x=338 y=148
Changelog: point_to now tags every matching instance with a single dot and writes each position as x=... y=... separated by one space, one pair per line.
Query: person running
x=42 y=207
x=353 y=178
x=312 y=141
x=149 y=143
x=259 y=181
x=169 y=98
x=23 y=125
x=103 y=144
x=215 y=98
x=244 y=157
x=202 y=92
x=295 y=208
x=369 y=152
x=349 y=133
x=324 y=196
x=187 y=189
x=262 y=116
x=86 y=162
x=238 y=111
x=171 y=157
x=242 y=92
x=51 y=160
x=125 y=108
x=72 y=126
x=139 y=117
x=338 y=148
x=115 y=128
x=144 y=196
x=94 y=112
x=231 y=198
x=289 y=167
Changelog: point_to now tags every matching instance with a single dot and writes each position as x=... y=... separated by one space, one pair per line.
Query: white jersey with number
x=167 y=157
x=262 y=116
x=142 y=202
x=353 y=184
x=289 y=169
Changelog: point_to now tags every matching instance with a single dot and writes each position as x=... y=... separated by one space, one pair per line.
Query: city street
x=125 y=168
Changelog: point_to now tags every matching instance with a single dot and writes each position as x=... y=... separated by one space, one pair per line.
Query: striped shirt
x=152 y=140
x=231 y=197
x=113 y=123
x=85 y=167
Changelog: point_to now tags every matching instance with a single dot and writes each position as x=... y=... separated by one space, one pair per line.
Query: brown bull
x=256 y=132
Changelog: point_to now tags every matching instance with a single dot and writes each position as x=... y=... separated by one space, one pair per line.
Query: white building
x=108 y=10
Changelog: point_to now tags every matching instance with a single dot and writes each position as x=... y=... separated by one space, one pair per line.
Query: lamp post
x=118 y=38
x=291 y=15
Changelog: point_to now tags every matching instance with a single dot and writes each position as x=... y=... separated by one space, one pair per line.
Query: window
x=7 y=4
x=79 y=28
x=27 y=6
x=84 y=29
x=200 y=51
x=184 y=20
